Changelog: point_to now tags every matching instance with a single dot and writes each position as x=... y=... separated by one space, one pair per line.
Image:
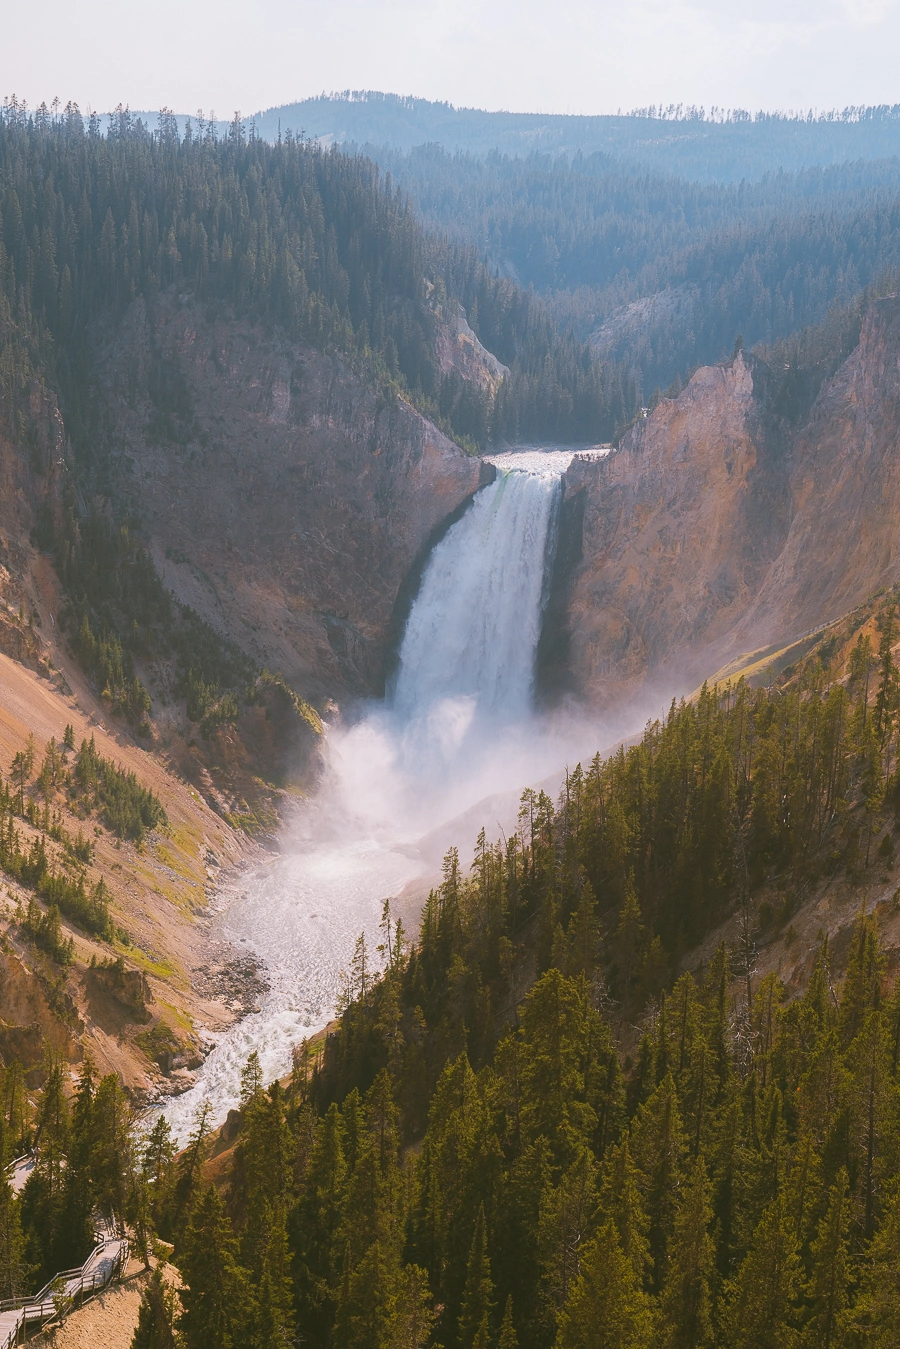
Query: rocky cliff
x=281 y=498
x=34 y=457
x=844 y=493
x=291 y=507
x=716 y=528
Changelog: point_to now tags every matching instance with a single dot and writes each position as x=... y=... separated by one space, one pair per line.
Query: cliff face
x=713 y=529
x=678 y=529
x=282 y=501
x=844 y=537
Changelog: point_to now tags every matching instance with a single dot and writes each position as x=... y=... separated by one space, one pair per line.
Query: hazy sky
x=527 y=55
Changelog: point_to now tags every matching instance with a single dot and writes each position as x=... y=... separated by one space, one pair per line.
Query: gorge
x=459 y=724
x=348 y=568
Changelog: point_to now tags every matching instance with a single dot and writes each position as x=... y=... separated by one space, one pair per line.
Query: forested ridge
x=594 y=235
x=315 y=242
x=541 y=251
x=707 y=145
x=545 y=1123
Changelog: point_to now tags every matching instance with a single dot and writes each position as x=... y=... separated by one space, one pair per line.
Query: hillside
x=173 y=669
x=640 y=1070
x=146 y=1016
x=296 y=506
x=141 y=1017
x=663 y=273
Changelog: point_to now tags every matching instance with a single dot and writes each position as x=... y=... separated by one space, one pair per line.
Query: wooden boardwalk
x=18 y=1172
x=105 y=1262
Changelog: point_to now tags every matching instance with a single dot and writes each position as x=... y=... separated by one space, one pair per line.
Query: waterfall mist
x=458 y=723
x=449 y=749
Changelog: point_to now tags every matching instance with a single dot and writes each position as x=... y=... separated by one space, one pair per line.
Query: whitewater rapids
x=457 y=726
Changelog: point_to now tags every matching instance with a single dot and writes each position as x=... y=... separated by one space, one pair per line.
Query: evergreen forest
x=549 y=1121
x=661 y=272
x=581 y=1109
x=316 y=242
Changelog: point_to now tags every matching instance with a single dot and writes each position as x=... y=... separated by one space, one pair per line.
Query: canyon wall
x=844 y=537
x=282 y=499
x=716 y=528
x=293 y=508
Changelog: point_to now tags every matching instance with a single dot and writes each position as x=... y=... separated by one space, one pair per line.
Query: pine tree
x=508 y=1337
x=275 y=1320
x=157 y=1168
x=263 y=1159
x=12 y=1244
x=826 y=1288
x=876 y=1317
x=157 y=1315
x=620 y=1199
x=861 y=989
x=685 y=1301
x=79 y=1181
x=217 y=1299
x=43 y=1199
x=187 y=1179
x=761 y=1302
x=111 y=1153
x=251 y=1080
x=477 y=1300
x=658 y=1148
x=630 y=937
x=583 y=934
x=371 y=1239
x=315 y=1224
x=888 y=695
x=411 y=1317
x=554 y=1023
x=565 y=1210
x=606 y=1308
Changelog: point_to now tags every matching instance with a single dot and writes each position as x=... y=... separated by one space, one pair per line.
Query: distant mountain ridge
x=673 y=141
x=690 y=145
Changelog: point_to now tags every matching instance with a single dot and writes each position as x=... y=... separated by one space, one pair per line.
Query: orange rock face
x=714 y=528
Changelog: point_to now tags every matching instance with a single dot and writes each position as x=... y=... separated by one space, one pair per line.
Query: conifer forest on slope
x=315 y=242
x=531 y=1128
x=548 y=1122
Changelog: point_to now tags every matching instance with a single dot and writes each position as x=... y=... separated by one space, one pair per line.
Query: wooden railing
x=65 y=1291
x=13 y=1166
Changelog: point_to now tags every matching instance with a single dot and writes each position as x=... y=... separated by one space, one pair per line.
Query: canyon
x=295 y=513
x=296 y=510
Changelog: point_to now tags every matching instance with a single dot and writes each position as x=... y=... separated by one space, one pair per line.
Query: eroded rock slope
x=717 y=528
x=282 y=499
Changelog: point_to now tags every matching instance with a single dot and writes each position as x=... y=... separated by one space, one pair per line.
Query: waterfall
x=473 y=630
x=457 y=727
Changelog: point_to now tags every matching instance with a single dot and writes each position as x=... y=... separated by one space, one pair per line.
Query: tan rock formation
x=714 y=528
x=844 y=537
x=459 y=349
x=676 y=536
x=283 y=501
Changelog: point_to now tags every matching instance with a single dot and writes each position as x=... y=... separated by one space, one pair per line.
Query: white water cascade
x=474 y=628
x=457 y=727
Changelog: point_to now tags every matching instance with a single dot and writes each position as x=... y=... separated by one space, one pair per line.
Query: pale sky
x=524 y=55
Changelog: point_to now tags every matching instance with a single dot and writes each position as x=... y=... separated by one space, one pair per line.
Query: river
x=457 y=729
